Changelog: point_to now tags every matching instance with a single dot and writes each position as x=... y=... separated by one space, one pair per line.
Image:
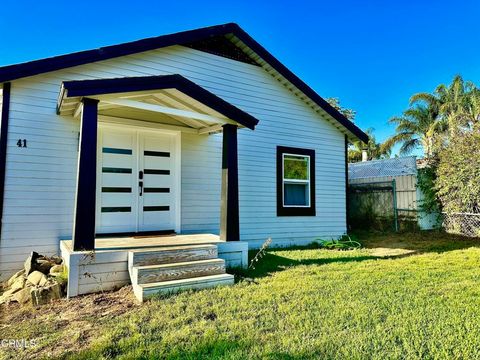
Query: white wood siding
x=40 y=179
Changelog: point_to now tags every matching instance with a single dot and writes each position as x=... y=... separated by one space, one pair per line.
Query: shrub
x=458 y=174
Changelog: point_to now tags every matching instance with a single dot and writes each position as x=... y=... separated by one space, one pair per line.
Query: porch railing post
x=229 y=222
x=85 y=197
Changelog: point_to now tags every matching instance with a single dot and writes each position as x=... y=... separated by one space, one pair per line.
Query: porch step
x=172 y=254
x=175 y=268
x=183 y=270
x=144 y=291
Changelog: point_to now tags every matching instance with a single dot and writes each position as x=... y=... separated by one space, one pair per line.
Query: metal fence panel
x=466 y=224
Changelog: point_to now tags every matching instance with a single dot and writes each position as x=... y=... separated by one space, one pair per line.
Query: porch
x=107 y=267
x=137 y=183
x=129 y=181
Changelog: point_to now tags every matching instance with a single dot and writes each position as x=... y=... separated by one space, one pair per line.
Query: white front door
x=137 y=187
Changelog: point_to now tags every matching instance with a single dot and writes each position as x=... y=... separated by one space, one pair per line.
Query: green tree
x=458 y=174
x=348 y=113
x=418 y=127
x=456 y=104
x=374 y=149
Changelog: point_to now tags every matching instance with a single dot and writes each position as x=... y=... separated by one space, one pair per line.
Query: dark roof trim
x=85 y=88
x=36 y=67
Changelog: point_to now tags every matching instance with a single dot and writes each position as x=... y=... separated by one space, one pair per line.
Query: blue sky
x=373 y=55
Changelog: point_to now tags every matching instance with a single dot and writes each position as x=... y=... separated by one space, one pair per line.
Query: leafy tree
x=374 y=150
x=446 y=125
x=458 y=174
x=348 y=113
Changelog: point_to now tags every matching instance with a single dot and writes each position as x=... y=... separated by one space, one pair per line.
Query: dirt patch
x=76 y=319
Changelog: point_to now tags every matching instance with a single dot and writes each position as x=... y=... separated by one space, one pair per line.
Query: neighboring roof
x=130 y=84
x=380 y=168
x=12 y=72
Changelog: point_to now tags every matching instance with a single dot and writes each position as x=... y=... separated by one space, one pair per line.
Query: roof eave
x=36 y=67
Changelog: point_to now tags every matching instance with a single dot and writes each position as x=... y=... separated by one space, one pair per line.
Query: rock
x=7 y=296
x=15 y=277
x=37 y=278
x=56 y=259
x=44 y=266
x=56 y=270
x=23 y=296
x=4 y=299
x=18 y=284
x=43 y=295
x=30 y=263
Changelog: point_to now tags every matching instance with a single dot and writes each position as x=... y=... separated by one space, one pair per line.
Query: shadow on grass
x=381 y=245
x=418 y=241
x=272 y=263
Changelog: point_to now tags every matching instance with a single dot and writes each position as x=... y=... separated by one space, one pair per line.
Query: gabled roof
x=131 y=84
x=258 y=53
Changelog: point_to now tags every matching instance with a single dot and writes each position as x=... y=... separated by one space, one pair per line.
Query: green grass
x=403 y=296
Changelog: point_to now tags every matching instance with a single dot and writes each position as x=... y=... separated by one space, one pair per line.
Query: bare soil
x=74 y=321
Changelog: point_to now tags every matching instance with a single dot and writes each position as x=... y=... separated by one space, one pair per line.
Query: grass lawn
x=402 y=296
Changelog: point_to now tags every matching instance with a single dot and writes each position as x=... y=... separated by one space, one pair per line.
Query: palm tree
x=458 y=103
x=374 y=150
x=419 y=126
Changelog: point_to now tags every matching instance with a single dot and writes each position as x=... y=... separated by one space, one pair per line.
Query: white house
x=201 y=135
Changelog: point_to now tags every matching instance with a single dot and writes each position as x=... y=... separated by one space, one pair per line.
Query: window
x=295 y=182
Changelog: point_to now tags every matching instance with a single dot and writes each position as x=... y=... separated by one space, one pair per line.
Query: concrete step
x=144 y=291
x=166 y=272
x=171 y=254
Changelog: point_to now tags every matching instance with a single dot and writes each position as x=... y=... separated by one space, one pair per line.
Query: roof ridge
x=36 y=67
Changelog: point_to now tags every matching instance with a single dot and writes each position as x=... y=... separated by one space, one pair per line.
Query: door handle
x=140 y=183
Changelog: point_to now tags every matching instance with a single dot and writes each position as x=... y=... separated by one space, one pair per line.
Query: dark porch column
x=229 y=214
x=84 y=218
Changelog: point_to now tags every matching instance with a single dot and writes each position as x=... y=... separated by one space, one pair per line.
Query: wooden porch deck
x=107 y=268
x=139 y=242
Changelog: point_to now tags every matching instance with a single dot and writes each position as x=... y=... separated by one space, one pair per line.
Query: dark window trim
x=295 y=211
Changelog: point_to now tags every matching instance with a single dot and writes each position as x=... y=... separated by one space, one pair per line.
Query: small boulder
x=18 y=284
x=23 y=296
x=30 y=263
x=44 y=266
x=15 y=277
x=56 y=259
x=37 y=278
x=43 y=295
x=7 y=296
x=4 y=299
x=56 y=270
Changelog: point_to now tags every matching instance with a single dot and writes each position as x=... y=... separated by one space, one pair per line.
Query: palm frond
x=408 y=146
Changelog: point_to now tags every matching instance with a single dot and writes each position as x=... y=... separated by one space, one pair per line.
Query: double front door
x=136 y=181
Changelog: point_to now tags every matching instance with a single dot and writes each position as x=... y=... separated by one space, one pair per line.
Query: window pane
x=295 y=167
x=295 y=194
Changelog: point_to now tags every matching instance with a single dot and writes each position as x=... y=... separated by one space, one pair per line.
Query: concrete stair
x=174 y=268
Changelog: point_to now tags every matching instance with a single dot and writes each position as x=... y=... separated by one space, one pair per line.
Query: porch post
x=229 y=214
x=84 y=216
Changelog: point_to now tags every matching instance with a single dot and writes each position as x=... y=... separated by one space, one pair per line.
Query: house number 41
x=22 y=143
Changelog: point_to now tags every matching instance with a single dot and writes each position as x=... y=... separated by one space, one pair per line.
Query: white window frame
x=296 y=181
